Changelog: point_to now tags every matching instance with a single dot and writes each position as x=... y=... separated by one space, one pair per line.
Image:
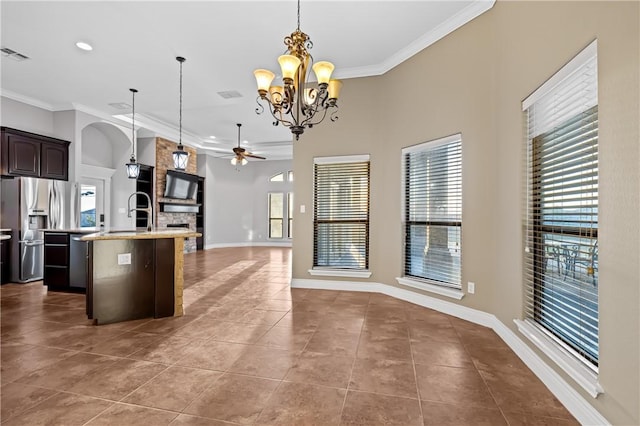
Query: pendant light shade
x=133 y=168
x=180 y=156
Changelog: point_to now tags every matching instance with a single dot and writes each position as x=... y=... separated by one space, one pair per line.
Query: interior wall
x=261 y=187
x=473 y=82
x=21 y=116
x=96 y=148
x=236 y=200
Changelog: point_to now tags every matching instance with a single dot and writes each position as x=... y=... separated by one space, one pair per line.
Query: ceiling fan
x=241 y=154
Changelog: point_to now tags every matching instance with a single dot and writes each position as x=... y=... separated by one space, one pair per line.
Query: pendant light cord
x=298 y=15
x=133 y=122
x=181 y=61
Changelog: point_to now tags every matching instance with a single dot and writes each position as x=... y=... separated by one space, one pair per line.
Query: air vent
x=120 y=105
x=229 y=94
x=10 y=53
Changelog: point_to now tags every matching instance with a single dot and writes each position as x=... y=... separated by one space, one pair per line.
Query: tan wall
x=473 y=82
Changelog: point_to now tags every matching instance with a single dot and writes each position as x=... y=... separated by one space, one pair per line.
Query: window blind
x=561 y=246
x=341 y=215
x=433 y=211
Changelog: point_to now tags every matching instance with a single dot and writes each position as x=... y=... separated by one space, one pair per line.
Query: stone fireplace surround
x=164 y=162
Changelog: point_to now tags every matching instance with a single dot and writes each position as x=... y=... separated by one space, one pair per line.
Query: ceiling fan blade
x=254 y=156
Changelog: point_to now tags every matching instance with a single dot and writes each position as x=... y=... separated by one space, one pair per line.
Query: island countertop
x=141 y=234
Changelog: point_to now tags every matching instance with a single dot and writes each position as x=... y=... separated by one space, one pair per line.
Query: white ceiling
x=135 y=45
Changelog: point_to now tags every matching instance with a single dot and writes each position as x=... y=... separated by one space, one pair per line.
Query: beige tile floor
x=250 y=350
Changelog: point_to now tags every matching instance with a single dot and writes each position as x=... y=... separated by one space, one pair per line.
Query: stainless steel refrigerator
x=29 y=206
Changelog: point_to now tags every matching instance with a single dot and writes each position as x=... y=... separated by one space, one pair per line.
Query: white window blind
x=433 y=211
x=561 y=239
x=341 y=214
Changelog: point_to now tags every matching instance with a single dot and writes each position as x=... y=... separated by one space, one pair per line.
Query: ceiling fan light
x=234 y=161
x=244 y=161
x=323 y=70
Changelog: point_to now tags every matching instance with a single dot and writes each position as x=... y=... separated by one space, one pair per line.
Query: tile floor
x=252 y=351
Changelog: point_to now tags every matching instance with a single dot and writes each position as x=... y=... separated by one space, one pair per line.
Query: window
x=341 y=213
x=277 y=178
x=433 y=211
x=276 y=214
x=290 y=215
x=290 y=175
x=561 y=238
x=88 y=206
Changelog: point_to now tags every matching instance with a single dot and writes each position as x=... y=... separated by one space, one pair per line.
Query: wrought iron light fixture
x=133 y=168
x=180 y=156
x=298 y=104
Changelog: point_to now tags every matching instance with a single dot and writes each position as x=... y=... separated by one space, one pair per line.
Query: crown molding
x=26 y=100
x=466 y=15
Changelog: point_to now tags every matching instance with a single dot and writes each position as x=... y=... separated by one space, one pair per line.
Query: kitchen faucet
x=148 y=209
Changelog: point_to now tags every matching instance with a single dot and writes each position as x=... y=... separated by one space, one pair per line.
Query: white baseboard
x=248 y=244
x=579 y=407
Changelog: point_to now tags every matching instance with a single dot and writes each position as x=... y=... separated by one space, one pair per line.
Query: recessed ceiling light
x=84 y=46
x=212 y=137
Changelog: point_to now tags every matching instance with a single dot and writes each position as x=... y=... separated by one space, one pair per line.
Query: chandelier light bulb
x=263 y=79
x=276 y=94
x=289 y=65
x=323 y=70
x=334 y=89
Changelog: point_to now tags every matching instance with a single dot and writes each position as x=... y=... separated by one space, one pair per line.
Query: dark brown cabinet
x=200 y=214
x=29 y=154
x=5 y=266
x=56 y=260
x=65 y=262
x=144 y=183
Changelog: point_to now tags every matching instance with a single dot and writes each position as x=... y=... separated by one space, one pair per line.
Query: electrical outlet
x=124 y=259
x=471 y=287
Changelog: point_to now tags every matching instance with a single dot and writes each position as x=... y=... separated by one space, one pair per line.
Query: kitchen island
x=135 y=274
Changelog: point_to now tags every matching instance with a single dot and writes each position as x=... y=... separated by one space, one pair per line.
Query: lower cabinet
x=65 y=262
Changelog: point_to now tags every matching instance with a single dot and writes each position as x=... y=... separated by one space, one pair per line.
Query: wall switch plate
x=471 y=287
x=122 y=210
x=303 y=208
x=124 y=259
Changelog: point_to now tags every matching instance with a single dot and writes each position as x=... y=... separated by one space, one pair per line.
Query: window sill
x=432 y=288
x=340 y=273
x=569 y=364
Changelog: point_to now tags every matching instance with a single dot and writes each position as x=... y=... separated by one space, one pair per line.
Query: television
x=181 y=186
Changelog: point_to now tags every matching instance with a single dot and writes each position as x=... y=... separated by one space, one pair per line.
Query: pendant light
x=180 y=156
x=133 y=168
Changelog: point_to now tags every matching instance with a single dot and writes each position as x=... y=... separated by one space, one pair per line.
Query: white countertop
x=5 y=237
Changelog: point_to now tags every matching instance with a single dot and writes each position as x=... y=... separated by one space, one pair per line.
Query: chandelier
x=298 y=104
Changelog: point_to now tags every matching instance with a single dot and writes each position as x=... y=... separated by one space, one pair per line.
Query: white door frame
x=89 y=174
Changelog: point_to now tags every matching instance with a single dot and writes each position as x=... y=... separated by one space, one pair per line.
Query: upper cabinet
x=29 y=154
